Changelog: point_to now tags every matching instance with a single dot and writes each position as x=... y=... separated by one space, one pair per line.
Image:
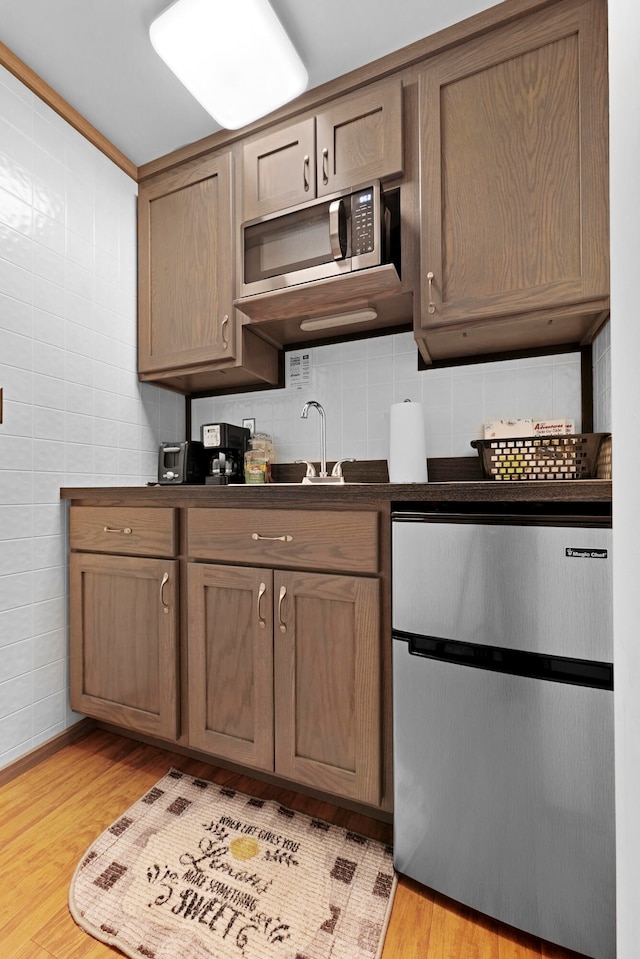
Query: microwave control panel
x=362 y=220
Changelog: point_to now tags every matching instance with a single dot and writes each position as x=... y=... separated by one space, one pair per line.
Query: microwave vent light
x=337 y=320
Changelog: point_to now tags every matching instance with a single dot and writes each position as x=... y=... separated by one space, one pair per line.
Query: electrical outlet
x=250 y=424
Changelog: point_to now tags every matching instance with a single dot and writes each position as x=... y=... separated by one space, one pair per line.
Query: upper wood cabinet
x=186 y=267
x=355 y=139
x=190 y=337
x=514 y=191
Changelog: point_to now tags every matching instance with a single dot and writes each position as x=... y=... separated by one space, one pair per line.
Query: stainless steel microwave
x=346 y=231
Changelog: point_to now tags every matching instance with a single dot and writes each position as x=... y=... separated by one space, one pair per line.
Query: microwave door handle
x=387 y=234
x=338 y=229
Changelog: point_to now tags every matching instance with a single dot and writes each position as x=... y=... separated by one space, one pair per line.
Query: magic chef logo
x=581 y=552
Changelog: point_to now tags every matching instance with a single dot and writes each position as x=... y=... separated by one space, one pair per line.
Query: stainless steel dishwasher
x=503 y=718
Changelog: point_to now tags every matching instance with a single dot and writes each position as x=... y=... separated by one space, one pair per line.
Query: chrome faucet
x=323 y=433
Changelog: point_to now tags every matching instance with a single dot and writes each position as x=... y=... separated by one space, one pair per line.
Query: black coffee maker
x=224 y=446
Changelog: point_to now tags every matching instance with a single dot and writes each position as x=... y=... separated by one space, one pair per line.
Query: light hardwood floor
x=50 y=815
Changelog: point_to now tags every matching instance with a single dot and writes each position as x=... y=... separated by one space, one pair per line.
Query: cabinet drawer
x=115 y=529
x=304 y=539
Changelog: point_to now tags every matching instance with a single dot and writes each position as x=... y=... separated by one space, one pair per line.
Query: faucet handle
x=311 y=470
x=337 y=469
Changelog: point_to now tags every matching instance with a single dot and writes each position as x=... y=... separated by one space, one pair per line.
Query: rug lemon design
x=202 y=871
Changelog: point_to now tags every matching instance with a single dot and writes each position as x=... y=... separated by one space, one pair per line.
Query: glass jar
x=258 y=459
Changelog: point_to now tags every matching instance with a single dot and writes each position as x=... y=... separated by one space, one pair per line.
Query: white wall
x=74 y=413
x=357 y=382
x=624 y=79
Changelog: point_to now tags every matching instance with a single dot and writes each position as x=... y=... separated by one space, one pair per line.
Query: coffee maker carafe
x=224 y=446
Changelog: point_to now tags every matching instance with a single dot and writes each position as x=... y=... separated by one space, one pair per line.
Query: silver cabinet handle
x=431 y=307
x=125 y=530
x=305 y=173
x=261 y=591
x=165 y=580
x=283 y=593
x=325 y=165
x=273 y=539
x=223 y=330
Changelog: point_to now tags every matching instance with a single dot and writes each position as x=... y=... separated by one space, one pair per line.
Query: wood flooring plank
x=36 y=870
x=409 y=930
x=64 y=939
x=32 y=951
x=454 y=933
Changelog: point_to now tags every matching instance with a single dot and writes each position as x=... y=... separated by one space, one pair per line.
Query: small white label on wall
x=298 y=371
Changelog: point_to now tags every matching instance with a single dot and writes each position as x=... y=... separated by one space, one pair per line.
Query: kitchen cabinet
x=354 y=139
x=284 y=662
x=190 y=337
x=513 y=178
x=123 y=617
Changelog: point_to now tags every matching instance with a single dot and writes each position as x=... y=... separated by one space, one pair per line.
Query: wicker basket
x=570 y=457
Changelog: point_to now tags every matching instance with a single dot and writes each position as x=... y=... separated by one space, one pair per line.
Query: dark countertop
x=452 y=480
x=299 y=496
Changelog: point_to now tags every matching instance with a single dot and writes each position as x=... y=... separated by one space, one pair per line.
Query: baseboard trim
x=44 y=750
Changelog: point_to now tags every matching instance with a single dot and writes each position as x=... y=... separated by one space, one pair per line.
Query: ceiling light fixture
x=338 y=319
x=234 y=57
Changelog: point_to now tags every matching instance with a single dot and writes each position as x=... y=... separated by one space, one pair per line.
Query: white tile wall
x=74 y=412
x=357 y=382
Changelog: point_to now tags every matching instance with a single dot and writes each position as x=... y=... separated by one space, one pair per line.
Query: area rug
x=194 y=870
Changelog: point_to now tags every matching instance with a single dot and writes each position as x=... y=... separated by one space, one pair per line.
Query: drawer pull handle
x=165 y=580
x=261 y=591
x=325 y=165
x=283 y=593
x=126 y=530
x=273 y=539
x=305 y=173
x=224 y=330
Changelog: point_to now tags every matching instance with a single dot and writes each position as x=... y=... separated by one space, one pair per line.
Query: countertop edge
x=592 y=490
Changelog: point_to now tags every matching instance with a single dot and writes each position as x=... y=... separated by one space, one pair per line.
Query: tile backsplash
x=357 y=382
x=74 y=413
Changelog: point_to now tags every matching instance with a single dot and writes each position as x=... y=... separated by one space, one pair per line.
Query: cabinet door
x=327 y=682
x=123 y=636
x=186 y=282
x=279 y=170
x=231 y=663
x=514 y=170
x=359 y=138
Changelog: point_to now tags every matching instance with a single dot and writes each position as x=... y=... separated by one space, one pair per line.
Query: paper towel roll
x=407 y=454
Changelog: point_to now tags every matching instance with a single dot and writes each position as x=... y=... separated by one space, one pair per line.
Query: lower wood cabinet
x=124 y=641
x=284 y=674
x=123 y=616
x=277 y=651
